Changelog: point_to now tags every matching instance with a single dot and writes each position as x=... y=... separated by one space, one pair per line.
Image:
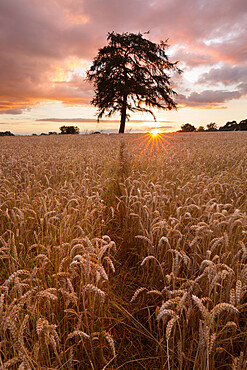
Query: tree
x=69 y=130
x=201 y=129
x=6 y=133
x=130 y=74
x=243 y=125
x=229 y=126
x=187 y=127
x=234 y=126
x=212 y=126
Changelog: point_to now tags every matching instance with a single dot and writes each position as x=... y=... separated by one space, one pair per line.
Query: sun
x=155 y=132
x=153 y=142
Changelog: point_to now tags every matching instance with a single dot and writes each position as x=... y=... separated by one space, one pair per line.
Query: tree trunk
x=123 y=115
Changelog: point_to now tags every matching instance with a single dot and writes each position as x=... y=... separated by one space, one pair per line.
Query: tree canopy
x=187 y=127
x=130 y=74
x=234 y=126
x=200 y=129
x=6 y=133
x=69 y=130
x=212 y=126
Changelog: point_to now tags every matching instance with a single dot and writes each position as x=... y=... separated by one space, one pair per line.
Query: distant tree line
x=229 y=126
x=65 y=130
x=6 y=133
x=69 y=130
x=72 y=130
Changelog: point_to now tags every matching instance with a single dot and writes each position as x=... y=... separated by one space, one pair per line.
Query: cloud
x=208 y=99
x=92 y=120
x=227 y=75
x=40 y=41
x=11 y=111
x=161 y=127
x=193 y=58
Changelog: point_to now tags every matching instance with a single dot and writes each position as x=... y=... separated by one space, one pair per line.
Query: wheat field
x=114 y=256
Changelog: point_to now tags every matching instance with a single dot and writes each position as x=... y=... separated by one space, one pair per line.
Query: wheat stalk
x=201 y=307
x=238 y=291
x=79 y=333
x=96 y=290
x=170 y=326
x=137 y=292
x=110 y=341
x=221 y=307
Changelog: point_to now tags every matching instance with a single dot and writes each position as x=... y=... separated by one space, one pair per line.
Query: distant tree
x=187 y=127
x=6 y=133
x=229 y=126
x=243 y=125
x=69 y=130
x=201 y=129
x=212 y=126
x=234 y=126
x=52 y=133
x=130 y=73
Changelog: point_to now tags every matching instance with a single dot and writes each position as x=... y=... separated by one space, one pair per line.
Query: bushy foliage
x=211 y=126
x=72 y=130
x=234 y=126
x=131 y=74
x=200 y=129
x=6 y=133
x=187 y=127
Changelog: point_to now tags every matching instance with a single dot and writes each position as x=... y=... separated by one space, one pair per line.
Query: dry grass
x=114 y=258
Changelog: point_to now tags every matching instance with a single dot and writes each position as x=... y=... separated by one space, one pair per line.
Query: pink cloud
x=37 y=37
x=194 y=58
x=208 y=99
x=227 y=75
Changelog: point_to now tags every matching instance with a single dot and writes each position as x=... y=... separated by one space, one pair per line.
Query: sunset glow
x=154 y=133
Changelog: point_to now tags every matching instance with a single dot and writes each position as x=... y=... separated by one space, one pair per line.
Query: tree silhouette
x=6 y=133
x=229 y=126
x=69 y=130
x=187 y=127
x=234 y=126
x=200 y=129
x=212 y=126
x=130 y=73
x=243 y=125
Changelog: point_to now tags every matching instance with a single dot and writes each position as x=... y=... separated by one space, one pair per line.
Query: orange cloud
x=43 y=43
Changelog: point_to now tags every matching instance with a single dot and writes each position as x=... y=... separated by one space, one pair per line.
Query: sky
x=47 y=46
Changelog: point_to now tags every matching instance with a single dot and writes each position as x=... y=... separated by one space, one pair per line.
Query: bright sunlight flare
x=153 y=142
x=155 y=132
